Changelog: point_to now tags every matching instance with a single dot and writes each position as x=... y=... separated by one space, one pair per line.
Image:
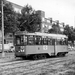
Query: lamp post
x=3 y=54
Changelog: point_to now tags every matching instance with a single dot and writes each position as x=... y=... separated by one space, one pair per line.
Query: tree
x=55 y=28
x=29 y=20
x=10 y=20
x=69 y=31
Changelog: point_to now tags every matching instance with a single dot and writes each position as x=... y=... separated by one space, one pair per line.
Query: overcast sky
x=62 y=10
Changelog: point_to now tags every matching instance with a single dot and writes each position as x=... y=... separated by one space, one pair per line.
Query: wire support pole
x=3 y=54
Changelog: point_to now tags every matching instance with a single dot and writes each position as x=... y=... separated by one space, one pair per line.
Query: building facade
x=16 y=7
x=8 y=38
x=45 y=22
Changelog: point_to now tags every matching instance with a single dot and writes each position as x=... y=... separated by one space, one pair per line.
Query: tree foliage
x=70 y=32
x=29 y=20
x=55 y=28
x=10 y=21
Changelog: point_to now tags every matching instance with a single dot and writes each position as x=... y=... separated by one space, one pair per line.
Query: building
x=16 y=7
x=45 y=22
x=8 y=38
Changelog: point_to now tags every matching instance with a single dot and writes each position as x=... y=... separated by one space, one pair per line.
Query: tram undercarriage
x=41 y=56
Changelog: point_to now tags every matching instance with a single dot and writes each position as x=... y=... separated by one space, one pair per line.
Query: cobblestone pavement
x=51 y=66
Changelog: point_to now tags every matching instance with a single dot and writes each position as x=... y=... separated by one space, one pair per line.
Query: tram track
x=26 y=66
x=24 y=61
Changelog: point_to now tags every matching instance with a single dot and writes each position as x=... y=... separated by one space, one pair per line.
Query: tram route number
x=45 y=47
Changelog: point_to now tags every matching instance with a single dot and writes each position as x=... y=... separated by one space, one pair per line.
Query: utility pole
x=3 y=54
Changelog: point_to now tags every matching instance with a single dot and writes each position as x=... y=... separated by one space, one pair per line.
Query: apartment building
x=45 y=22
x=16 y=7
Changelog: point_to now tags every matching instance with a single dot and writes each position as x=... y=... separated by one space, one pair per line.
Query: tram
x=40 y=45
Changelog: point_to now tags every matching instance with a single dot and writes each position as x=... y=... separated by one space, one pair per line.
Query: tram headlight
x=23 y=50
x=18 y=51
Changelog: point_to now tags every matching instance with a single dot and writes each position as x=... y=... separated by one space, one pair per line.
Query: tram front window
x=21 y=40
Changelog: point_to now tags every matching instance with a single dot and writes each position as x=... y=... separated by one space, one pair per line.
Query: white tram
x=39 y=45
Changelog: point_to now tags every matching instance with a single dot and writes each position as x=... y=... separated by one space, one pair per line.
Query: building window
x=10 y=35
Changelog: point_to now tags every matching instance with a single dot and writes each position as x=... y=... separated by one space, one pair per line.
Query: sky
x=62 y=10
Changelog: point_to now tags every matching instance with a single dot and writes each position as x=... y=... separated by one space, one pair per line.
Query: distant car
x=73 y=48
x=12 y=49
x=69 y=47
x=6 y=47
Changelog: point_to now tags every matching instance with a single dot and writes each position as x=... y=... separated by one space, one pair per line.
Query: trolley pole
x=3 y=54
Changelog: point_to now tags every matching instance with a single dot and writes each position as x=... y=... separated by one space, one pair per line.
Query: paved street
x=51 y=66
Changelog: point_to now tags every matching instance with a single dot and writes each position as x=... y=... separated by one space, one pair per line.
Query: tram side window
x=45 y=42
x=25 y=40
x=65 y=41
x=58 y=42
x=19 y=40
x=22 y=40
x=38 y=40
x=61 y=42
x=49 y=41
x=30 y=40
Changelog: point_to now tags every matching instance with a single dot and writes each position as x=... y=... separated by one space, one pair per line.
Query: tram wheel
x=24 y=57
x=39 y=56
x=61 y=54
x=35 y=57
x=43 y=56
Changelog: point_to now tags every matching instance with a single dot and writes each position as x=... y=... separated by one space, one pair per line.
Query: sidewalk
x=8 y=57
x=4 y=60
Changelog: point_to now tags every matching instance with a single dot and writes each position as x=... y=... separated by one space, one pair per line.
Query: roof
x=15 y=5
x=43 y=34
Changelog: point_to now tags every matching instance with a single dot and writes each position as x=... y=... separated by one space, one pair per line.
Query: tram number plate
x=45 y=47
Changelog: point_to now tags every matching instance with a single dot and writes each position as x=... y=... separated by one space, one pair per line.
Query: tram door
x=57 y=46
x=52 y=47
x=54 y=43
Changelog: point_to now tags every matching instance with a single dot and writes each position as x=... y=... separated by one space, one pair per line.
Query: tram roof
x=43 y=34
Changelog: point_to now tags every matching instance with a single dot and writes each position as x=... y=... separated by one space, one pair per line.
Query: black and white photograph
x=37 y=37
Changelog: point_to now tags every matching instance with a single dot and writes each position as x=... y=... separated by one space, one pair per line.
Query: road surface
x=50 y=66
